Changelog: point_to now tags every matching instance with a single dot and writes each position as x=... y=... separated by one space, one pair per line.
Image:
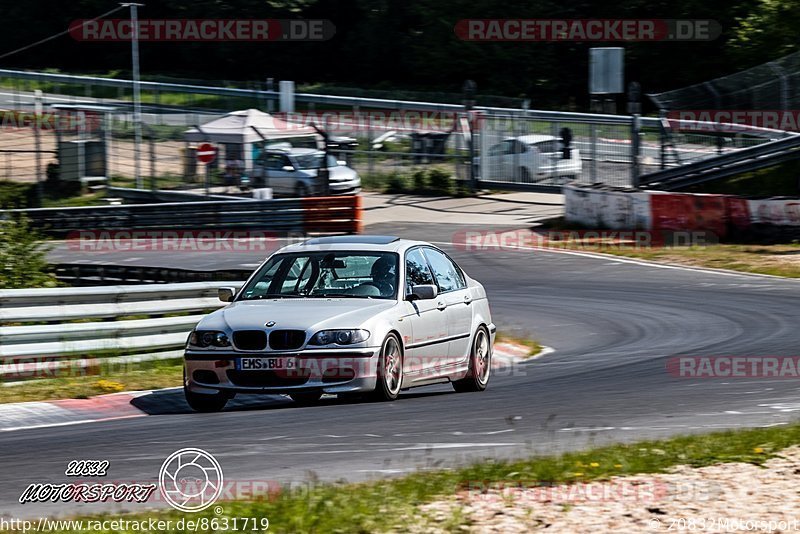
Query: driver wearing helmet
x=383 y=275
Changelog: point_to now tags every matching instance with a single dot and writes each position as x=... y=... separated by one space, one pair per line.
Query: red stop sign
x=206 y=153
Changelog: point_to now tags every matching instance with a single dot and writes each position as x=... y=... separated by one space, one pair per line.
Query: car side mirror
x=287 y=168
x=423 y=292
x=226 y=294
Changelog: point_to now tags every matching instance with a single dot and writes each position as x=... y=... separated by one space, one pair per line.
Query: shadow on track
x=171 y=402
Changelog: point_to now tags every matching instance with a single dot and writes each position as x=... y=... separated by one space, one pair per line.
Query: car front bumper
x=339 y=370
x=348 y=187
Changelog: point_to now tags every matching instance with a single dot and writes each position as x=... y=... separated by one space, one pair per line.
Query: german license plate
x=265 y=364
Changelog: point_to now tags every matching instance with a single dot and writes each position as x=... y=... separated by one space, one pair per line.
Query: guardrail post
x=635 y=151
x=358 y=215
x=593 y=152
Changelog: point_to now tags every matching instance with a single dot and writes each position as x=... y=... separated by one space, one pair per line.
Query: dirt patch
x=726 y=497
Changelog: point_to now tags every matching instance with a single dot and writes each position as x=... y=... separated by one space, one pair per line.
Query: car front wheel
x=390 y=370
x=201 y=402
x=480 y=364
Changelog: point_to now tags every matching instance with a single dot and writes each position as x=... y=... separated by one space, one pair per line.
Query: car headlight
x=339 y=337
x=208 y=338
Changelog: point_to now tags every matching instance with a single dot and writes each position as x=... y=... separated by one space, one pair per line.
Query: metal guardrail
x=302 y=215
x=313 y=98
x=164 y=195
x=77 y=274
x=38 y=333
x=744 y=160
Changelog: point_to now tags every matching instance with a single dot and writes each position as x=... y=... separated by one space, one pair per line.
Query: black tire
x=204 y=403
x=306 y=399
x=390 y=370
x=524 y=175
x=301 y=190
x=480 y=364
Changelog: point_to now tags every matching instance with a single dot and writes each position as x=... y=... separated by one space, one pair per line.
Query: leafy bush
x=396 y=184
x=22 y=256
x=420 y=182
x=441 y=183
x=14 y=195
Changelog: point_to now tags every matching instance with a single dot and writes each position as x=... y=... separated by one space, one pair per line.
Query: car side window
x=497 y=150
x=448 y=276
x=273 y=162
x=547 y=147
x=417 y=271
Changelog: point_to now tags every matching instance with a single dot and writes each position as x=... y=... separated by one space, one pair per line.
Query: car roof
x=535 y=138
x=376 y=243
x=296 y=151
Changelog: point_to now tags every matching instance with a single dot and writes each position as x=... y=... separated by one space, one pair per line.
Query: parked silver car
x=531 y=158
x=345 y=315
x=293 y=171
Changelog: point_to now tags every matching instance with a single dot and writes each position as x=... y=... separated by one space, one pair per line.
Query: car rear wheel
x=306 y=399
x=390 y=370
x=480 y=364
x=301 y=190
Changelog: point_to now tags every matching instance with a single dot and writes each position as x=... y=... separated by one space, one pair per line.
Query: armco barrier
x=43 y=330
x=302 y=215
x=720 y=215
x=775 y=211
x=91 y=274
x=677 y=212
x=145 y=196
x=604 y=207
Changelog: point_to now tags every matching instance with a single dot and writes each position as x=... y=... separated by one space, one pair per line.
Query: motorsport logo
x=211 y=30
x=190 y=480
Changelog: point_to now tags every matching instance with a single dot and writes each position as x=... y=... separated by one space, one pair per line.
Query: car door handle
x=441 y=305
x=467 y=299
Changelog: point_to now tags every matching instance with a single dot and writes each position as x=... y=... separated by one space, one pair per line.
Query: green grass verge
x=780 y=180
x=533 y=346
x=776 y=260
x=773 y=259
x=106 y=378
x=392 y=505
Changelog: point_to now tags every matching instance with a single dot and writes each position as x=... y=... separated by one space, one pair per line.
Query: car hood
x=341 y=173
x=300 y=314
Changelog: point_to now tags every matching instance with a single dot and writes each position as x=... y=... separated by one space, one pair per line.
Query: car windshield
x=314 y=161
x=325 y=274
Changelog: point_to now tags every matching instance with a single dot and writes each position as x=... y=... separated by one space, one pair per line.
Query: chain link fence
x=390 y=144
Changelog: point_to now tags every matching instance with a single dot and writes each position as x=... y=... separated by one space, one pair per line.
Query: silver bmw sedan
x=351 y=316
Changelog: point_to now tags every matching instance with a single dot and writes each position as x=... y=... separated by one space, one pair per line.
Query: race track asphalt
x=613 y=325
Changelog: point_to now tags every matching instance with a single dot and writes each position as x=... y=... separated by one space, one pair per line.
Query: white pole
x=137 y=96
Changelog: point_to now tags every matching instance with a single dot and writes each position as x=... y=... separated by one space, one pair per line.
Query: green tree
x=22 y=256
x=768 y=32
